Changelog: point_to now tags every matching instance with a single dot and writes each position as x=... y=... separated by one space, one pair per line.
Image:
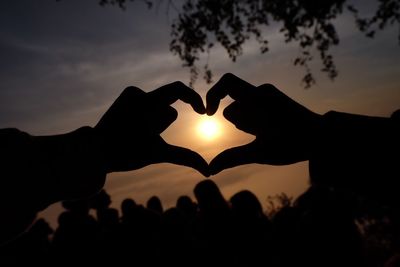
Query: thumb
x=233 y=157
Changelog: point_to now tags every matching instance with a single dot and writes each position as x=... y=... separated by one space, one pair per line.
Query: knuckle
x=267 y=90
x=132 y=91
x=228 y=113
x=178 y=84
x=172 y=113
x=228 y=76
x=266 y=86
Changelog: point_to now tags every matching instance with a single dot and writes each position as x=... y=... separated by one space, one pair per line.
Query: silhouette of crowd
x=322 y=227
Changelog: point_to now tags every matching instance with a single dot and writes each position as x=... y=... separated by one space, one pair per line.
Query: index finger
x=182 y=156
x=170 y=93
x=230 y=85
x=233 y=157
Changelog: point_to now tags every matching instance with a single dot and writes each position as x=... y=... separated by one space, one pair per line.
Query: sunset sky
x=62 y=64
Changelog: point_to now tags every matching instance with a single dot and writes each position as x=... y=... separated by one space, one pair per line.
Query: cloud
x=71 y=58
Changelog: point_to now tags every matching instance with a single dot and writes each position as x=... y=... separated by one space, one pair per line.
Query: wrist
x=73 y=163
x=314 y=132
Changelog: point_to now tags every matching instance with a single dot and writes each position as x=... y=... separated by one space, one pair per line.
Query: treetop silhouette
x=201 y=24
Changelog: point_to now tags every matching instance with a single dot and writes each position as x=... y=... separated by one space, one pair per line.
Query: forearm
x=356 y=152
x=73 y=163
x=37 y=171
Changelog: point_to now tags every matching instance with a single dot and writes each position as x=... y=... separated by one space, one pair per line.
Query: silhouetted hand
x=130 y=129
x=283 y=128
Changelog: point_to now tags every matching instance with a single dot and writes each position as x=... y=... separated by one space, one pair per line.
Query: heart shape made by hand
x=132 y=126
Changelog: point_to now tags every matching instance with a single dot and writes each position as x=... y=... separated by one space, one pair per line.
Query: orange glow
x=209 y=128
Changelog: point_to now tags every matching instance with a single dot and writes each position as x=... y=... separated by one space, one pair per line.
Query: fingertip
x=203 y=168
x=199 y=164
x=206 y=174
x=214 y=172
x=190 y=96
x=214 y=167
x=186 y=157
x=200 y=109
x=210 y=112
x=233 y=157
x=212 y=107
x=196 y=102
x=213 y=98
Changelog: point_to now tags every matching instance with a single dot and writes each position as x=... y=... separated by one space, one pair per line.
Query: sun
x=208 y=128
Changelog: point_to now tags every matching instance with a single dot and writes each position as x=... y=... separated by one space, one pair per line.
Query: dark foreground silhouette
x=350 y=154
x=322 y=227
x=39 y=170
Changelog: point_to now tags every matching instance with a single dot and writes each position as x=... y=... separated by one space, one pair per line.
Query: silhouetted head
x=209 y=196
x=186 y=205
x=396 y=115
x=102 y=200
x=80 y=206
x=172 y=217
x=108 y=216
x=154 y=204
x=64 y=218
x=128 y=206
x=41 y=228
x=246 y=204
